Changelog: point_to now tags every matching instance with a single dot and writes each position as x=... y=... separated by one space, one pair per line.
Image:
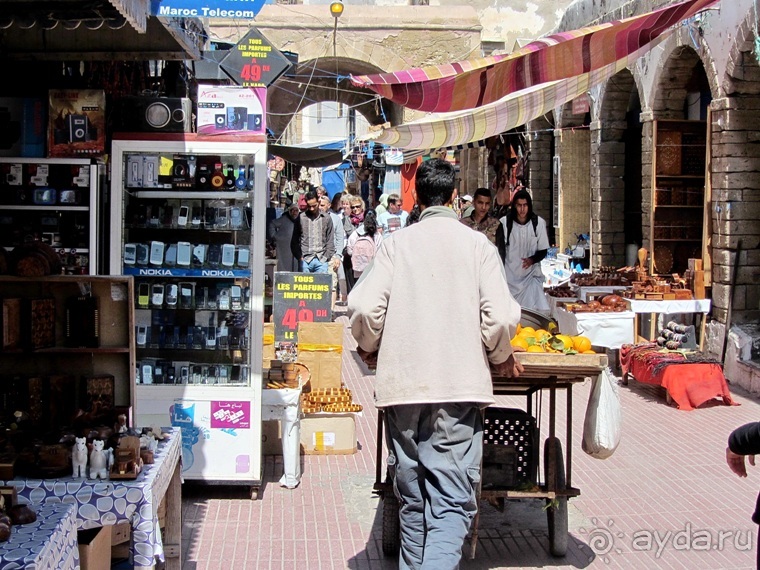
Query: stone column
x=647 y=131
x=735 y=207
x=539 y=144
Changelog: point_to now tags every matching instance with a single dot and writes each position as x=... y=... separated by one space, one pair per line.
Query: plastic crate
x=510 y=448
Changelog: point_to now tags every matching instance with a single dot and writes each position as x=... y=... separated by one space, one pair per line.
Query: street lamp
x=336 y=10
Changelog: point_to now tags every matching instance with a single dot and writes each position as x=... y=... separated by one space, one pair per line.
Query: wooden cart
x=550 y=372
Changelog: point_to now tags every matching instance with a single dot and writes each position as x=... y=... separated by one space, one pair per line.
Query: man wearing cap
x=279 y=235
x=465 y=205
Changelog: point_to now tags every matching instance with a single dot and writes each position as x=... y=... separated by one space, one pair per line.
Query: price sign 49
x=300 y=297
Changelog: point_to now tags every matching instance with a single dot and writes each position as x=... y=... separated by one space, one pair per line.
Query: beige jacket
x=436 y=296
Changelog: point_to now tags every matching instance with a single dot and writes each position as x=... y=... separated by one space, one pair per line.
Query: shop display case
x=188 y=222
x=54 y=201
x=678 y=194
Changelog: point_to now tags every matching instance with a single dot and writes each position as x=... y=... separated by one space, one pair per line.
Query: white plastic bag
x=604 y=420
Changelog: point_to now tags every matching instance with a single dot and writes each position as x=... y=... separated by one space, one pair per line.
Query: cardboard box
x=120 y=533
x=95 y=548
x=231 y=110
x=22 y=126
x=77 y=123
x=268 y=339
x=321 y=434
x=328 y=434
x=320 y=347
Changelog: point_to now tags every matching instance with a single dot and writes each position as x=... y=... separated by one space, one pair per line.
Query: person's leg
x=305 y=267
x=450 y=451
x=320 y=266
x=343 y=291
x=401 y=434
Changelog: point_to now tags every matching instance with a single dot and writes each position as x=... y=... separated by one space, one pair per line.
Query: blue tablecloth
x=102 y=503
x=49 y=543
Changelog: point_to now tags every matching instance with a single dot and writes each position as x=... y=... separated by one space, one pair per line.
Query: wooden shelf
x=682 y=176
x=655 y=240
x=678 y=206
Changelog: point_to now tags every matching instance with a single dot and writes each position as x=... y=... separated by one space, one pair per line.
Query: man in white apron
x=522 y=241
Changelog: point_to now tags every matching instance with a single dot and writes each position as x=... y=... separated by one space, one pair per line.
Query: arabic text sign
x=231 y=414
x=206 y=8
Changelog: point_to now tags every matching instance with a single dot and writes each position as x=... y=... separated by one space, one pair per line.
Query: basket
x=510 y=449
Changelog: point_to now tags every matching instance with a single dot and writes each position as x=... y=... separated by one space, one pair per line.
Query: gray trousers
x=434 y=459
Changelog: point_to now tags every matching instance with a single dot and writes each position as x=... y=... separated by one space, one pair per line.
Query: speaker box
x=153 y=114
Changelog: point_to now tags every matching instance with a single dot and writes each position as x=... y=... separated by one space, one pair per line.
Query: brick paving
x=661 y=501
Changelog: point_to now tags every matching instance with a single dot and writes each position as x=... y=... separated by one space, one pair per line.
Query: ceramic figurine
x=121 y=424
x=98 y=460
x=109 y=458
x=79 y=457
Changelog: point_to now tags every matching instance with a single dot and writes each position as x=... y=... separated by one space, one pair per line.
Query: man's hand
x=526 y=262
x=736 y=462
x=510 y=368
x=335 y=263
x=369 y=358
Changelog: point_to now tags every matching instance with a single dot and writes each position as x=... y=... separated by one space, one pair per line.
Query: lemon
x=536 y=348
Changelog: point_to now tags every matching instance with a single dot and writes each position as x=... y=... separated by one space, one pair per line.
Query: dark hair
x=310 y=195
x=414 y=216
x=370 y=223
x=335 y=203
x=394 y=198
x=521 y=195
x=434 y=182
x=482 y=192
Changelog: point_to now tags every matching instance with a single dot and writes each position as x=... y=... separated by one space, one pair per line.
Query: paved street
x=666 y=499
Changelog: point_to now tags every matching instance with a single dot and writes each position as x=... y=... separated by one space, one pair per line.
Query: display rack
x=53 y=200
x=58 y=344
x=678 y=194
x=189 y=227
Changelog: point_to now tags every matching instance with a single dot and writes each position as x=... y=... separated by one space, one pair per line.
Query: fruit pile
x=532 y=340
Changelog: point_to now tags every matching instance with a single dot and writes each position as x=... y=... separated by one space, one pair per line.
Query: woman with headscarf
x=523 y=242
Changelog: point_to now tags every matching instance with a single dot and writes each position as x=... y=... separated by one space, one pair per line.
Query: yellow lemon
x=542 y=335
x=520 y=341
x=588 y=352
x=536 y=348
x=566 y=340
x=581 y=343
x=552 y=326
x=519 y=328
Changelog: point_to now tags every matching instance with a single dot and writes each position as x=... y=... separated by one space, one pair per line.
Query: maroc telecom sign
x=206 y=8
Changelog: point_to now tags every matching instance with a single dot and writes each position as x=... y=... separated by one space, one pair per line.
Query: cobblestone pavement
x=666 y=499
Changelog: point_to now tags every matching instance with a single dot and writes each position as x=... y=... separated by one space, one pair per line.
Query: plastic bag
x=603 y=424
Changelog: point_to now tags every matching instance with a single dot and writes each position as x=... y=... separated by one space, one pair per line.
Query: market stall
x=108 y=502
x=48 y=542
x=689 y=378
x=670 y=307
x=608 y=330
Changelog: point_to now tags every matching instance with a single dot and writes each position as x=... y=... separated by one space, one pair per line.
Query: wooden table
x=673 y=306
x=102 y=503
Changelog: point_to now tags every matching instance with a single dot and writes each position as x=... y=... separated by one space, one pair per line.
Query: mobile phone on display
x=170 y=258
x=143 y=254
x=199 y=255
x=184 y=212
x=214 y=255
x=184 y=374
x=142 y=335
x=143 y=295
x=236 y=298
x=243 y=256
x=195 y=221
x=172 y=291
x=130 y=253
x=201 y=298
x=186 y=294
x=157 y=295
x=157 y=253
x=236 y=218
x=223 y=375
x=147 y=373
x=184 y=253
x=211 y=337
x=224 y=299
x=228 y=255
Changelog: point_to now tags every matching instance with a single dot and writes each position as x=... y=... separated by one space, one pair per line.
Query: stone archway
x=304 y=87
x=616 y=171
x=736 y=182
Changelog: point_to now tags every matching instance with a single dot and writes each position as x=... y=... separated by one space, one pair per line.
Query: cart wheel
x=254 y=493
x=556 y=515
x=624 y=379
x=391 y=524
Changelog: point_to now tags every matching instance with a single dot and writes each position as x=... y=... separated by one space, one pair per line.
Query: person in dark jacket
x=280 y=234
x=745 y=442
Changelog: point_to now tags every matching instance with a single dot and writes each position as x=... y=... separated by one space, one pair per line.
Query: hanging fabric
x=478 y=82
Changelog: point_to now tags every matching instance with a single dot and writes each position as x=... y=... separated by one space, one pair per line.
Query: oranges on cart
x=530 y=340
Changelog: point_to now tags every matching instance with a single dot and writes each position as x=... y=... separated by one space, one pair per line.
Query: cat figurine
x=79 y=457
x=98 y=466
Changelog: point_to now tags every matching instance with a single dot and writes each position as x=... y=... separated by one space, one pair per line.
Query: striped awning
x=480 y=82
x=465 y=127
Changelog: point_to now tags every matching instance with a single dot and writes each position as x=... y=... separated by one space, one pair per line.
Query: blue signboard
x=206 y=8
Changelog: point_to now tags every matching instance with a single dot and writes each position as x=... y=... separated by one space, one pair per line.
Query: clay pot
x=22 y=514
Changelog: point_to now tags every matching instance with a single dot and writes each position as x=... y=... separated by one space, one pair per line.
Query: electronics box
x=231 y=110
x=76 y=123
x=22 y=127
